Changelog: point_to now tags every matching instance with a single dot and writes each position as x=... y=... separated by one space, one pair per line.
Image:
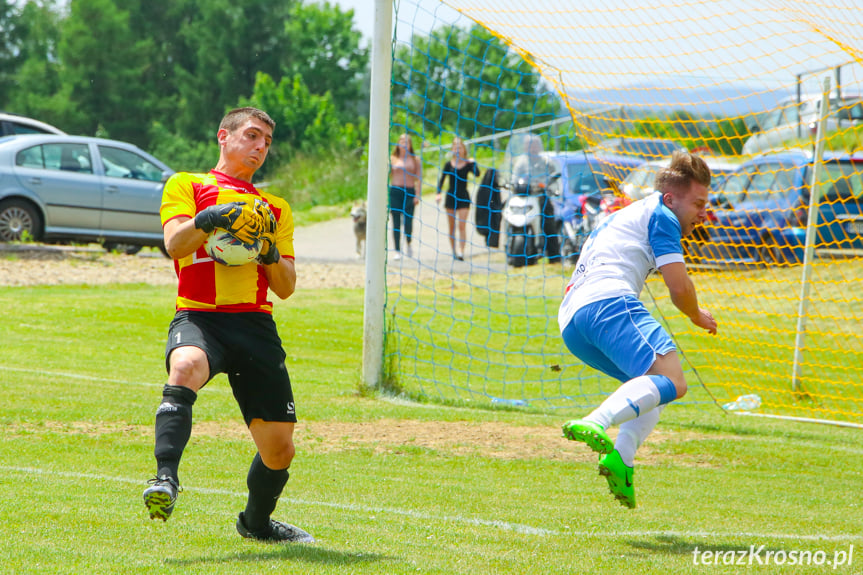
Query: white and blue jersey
x=621 y=253
x=601 y=319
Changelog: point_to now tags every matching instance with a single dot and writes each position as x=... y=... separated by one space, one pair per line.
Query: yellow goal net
x=770 y=92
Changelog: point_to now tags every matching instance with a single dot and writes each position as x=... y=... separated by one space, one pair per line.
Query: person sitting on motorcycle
x=538 y=170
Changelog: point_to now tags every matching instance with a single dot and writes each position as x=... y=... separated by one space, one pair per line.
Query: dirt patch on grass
x=391 y=436
x=484 y=439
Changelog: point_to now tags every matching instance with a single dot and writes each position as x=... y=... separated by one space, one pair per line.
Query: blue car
x=585 y=183
x=764 y=207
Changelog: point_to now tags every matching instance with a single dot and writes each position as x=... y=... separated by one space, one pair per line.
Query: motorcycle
x=591 y=199
x=579 y=214
x=531 y=227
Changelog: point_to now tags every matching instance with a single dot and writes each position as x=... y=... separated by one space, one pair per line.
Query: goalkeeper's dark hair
x=684 y=169
x=235 y=118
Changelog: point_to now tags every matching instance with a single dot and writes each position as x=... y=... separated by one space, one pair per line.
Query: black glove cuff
x=272 y=257
x=203 y=222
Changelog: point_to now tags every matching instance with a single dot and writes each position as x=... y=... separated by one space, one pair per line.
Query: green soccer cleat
x=590 y=433
x=619 y=477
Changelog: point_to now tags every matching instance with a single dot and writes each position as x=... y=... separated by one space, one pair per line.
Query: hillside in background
x=732 y=101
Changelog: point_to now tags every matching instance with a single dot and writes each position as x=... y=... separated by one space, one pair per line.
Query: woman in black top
x=457 y=202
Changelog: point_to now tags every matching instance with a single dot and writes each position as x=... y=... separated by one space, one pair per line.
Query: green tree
x=226 y=43
x=324 y=48
x=467 y=82
x=9 y=59
x=28 y=58
x=102 y=63
x=304 y=121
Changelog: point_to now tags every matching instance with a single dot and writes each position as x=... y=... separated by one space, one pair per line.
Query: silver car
x=793 y=120
x=75 y=188
x=11 y=124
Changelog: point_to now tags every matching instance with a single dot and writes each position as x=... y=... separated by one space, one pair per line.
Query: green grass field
x=387 y=486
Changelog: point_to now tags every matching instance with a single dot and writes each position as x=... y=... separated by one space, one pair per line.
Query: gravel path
x=327 y=260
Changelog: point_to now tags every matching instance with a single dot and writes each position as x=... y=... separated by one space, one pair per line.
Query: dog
x=358 y=215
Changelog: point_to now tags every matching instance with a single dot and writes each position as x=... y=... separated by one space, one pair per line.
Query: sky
x=728 y=45
x=422 y=17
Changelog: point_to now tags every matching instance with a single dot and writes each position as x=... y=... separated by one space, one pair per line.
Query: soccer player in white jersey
x=606 y=326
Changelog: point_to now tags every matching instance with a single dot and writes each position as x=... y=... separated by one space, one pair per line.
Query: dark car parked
x=764 y=208
x=71 y=188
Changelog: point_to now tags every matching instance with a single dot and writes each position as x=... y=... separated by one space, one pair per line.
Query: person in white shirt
x=604 y=324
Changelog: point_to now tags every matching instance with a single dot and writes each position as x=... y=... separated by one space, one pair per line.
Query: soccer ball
x=224 y=248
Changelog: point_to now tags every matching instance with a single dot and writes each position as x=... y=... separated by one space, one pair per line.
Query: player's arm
x=280 y=271
x=182 y=238
x=282 y=277
x=683 y=296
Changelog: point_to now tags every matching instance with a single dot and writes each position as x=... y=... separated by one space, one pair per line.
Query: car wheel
x=164 y=251
x=19 y=220
x=128 y=249
x=769 y=252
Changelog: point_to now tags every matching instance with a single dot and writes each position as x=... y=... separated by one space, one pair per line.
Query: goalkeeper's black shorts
x=247 y=347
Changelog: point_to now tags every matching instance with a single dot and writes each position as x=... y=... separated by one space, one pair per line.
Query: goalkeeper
x=606 y=326
x=224 y=323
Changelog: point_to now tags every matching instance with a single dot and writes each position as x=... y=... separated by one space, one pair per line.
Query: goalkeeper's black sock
x=265 y=487
x=173 y=428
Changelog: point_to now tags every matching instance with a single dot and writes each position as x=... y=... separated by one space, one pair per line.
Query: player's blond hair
x=684 y=169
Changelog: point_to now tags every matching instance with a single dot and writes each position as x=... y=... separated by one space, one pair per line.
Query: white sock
x=633 y=398
x=632 y=434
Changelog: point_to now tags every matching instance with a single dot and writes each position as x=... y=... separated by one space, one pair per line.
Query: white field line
x=75 y=376
x=493 y=523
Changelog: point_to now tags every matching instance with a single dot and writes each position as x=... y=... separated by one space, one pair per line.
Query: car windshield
x=840 y=181
x=582 y=180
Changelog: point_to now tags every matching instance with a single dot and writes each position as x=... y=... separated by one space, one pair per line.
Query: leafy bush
x=181 y=154
x=321 y=178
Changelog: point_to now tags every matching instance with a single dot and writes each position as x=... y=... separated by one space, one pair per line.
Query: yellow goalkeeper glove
x=269 y=252
x=239 y=218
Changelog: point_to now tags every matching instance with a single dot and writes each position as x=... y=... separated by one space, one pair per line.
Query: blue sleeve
x=664 y=233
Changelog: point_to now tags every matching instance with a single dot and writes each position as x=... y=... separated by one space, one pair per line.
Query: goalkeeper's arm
x=281 y=273
x=182 y=237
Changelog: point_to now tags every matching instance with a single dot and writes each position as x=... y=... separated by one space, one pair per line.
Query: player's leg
x=618 y=467
x=262 y=387
x=191 y=356
x=623 y=333
x=188 y=370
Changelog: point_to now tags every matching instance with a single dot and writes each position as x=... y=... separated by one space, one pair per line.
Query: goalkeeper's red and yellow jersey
x=204 y=284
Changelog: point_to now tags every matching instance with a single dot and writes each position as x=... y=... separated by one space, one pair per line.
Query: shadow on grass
x=275 y=552
x=674 y=545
